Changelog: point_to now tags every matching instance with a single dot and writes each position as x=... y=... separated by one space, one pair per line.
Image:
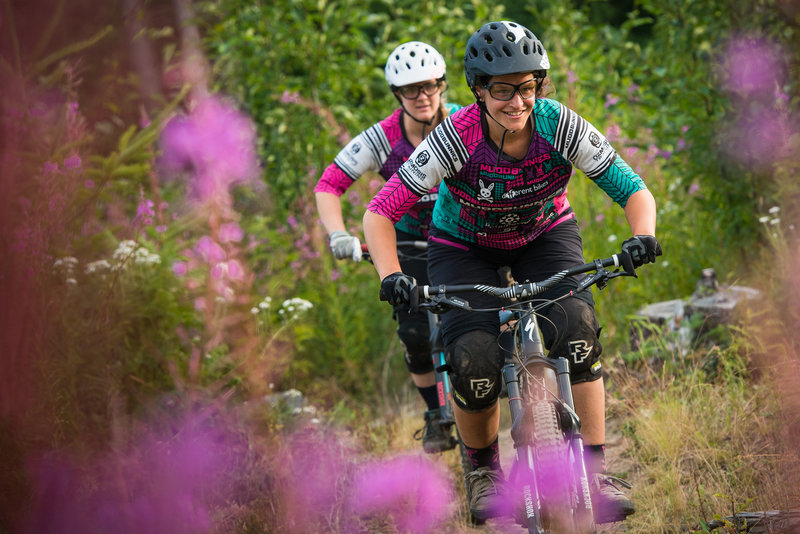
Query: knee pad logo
x=579 y=350
x=481 y=387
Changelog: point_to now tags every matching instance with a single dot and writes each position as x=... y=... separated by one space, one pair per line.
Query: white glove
x=344 y=245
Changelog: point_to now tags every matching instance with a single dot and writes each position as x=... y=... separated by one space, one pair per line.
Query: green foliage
x=310 y=73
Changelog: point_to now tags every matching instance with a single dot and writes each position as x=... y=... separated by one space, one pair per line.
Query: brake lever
x=442 y=303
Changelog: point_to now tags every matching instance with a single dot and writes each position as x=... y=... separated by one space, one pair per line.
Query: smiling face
x=425 y=106
x=512 y=114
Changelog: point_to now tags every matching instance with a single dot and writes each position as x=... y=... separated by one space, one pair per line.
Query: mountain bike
x=548 y=480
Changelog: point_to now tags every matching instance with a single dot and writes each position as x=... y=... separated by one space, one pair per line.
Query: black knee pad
x=476 y=363
x=577 y=338
x=414 y=335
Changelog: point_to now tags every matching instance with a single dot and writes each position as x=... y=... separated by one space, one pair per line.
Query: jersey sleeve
x=589 y=150
x=365 y=152
x=393 y=200
x=437 y=157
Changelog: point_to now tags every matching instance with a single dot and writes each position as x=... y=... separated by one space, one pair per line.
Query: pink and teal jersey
x=505 y=204
x=381 y=148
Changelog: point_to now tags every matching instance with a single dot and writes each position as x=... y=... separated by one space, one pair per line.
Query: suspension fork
x=529 y=345
x=572 y=425
x=440 y=368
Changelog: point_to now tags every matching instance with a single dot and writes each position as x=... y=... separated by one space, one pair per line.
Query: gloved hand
x=344 y=245
x=642 y=249
x=399 y=290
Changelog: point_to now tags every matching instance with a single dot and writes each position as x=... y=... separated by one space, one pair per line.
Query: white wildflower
x=254 y=310
x=142 y=256
x=774 y=221
x=774 y=209
x=664 y=263
x=294 y=307
x=265 y=304
x=97 y=267
x=124 y=249
x=71 y=282
x=612 y=238
x=763 y=219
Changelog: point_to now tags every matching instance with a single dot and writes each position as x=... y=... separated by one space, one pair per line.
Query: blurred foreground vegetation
x=132 y=298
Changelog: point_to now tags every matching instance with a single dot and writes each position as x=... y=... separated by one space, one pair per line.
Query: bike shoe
x=484 y=492
x=435 y=437
x=608 y=501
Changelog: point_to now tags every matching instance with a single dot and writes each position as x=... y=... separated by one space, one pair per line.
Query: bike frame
x=537 y=378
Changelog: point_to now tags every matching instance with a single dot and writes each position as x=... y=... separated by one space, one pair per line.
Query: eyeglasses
x=505 y=91
x=411 y=92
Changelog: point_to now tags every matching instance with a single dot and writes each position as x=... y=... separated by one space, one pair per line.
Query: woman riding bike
x=415 y=72
x=503 y=165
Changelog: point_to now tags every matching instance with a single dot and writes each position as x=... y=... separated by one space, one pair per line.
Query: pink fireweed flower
x=73 y=162
x=414 y=490
x=209 y=250
x=157 y=485
x=611 y=100
x=50 y=167
x=230 y=232
x=290 y=97
x=228 y=270
x=753 y=66
x=180 y=268
x=571 y=77
x=216 y=143
x=144 y=211
x=613 y=133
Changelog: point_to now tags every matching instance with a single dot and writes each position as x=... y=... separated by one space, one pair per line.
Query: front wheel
x=554 y=475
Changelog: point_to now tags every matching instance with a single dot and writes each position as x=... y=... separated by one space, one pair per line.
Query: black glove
x=642 y=249
x=399 y=290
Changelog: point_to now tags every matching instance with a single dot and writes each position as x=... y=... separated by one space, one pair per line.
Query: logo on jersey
x=579 y=350
x=485 y=192
x=423 y=158
x=356 y=148
x=594 y=139
x=481 y=387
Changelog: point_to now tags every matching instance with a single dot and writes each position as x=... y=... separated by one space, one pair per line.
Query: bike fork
x=572 y=425
x=524 y=474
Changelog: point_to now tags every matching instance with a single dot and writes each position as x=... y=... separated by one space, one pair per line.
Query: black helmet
x=503 y=47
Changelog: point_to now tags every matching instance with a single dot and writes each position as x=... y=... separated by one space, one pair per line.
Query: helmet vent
x=506 y=51
x=473 y=51
x=412 y=53
x=510 y=37
x=525 y=49
x=539 y=49
x=488 y=57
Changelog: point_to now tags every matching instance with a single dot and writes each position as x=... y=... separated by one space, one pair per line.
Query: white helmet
x=413 y=62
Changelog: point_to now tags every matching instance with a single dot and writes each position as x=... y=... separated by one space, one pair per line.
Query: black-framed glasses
x=411 y=92
x=505 y=91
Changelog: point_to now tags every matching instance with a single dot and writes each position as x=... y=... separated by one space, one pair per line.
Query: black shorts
x=572 y=330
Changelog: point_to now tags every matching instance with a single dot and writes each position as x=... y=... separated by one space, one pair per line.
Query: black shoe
x=484 y=488
x=608 y=501
x=435 y=437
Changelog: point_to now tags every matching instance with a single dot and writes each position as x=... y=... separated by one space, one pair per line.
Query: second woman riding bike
x=415 y=72
x=502 y=166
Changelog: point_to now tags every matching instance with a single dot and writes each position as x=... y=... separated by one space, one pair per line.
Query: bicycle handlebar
x=436 y=296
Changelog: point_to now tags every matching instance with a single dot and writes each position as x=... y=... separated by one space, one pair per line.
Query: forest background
x=164 y=275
